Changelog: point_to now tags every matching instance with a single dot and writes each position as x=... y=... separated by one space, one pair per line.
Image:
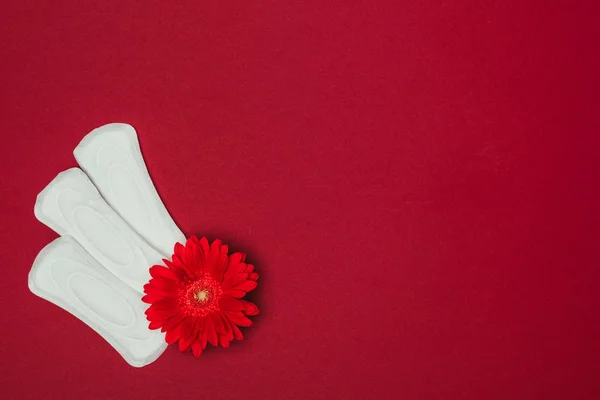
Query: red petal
x=175 y=266
x=158 y=314
x=230 y=303
x=197 y=328
x=234 y=279
x=166 y=285
x=240 y=319
x=180 y=251
x=192 y=259
x=166 y=303
x=213 y=256
x=253 y=276
x=151 y=289
x=198 y=257
x=235 y=258
x=221 y=264
x=201 y=254
x=155 y=325
x=199 y=331
x=235 y=268
x=218 y=321
x=187 y=341
x=228 y=330
x=159 y=271
x=181 y=266
x=152 y=298
x=157 y=320
x=187 y=326
x=246 y=286
x=173 y=335
x=197 y=348
x=187 y=333
x=249 y=308
x=238 y=294
x=203 y=336
x=211 y=333
x=180 y=272
x=223 y=342
x=172 y=322
x=204 y=245
x=220 y=267
x=198 y=254
x=237 y=334
x=249 y=268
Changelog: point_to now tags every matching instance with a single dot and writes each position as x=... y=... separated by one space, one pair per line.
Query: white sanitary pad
x=114 y=228
x=66 y=275
x=111 y=157
x=72 y=206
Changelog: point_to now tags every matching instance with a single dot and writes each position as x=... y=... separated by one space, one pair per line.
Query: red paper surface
x=416 y=182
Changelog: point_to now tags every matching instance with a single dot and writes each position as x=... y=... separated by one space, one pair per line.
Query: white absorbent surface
x=66 y=275
x=110 y=155
x=71 y=205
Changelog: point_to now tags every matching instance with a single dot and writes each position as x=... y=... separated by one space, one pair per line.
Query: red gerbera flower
x=196 y=298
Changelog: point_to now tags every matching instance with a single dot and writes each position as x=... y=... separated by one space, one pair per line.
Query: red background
x=416 y=182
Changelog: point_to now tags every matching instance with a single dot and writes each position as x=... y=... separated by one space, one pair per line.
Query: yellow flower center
x=201 y=295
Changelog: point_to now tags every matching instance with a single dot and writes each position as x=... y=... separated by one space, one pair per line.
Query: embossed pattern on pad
x=72 y=206
x=66 y=275
x=111 y=157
